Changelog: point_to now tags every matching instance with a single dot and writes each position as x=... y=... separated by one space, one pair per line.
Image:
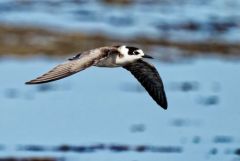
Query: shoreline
x=19 y=41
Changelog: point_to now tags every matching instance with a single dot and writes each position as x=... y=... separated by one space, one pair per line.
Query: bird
x=128 y=57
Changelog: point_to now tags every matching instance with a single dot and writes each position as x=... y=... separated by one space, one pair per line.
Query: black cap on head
x=131 y=50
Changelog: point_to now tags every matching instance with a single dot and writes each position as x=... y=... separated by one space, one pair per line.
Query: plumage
x=72 y=66
x=127 y=57
x=148 y=76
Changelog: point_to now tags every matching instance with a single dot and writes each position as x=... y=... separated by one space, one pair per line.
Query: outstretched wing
x=148 y=76
x=72 y=66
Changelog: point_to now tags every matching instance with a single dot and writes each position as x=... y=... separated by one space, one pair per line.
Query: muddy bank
x=29 y=41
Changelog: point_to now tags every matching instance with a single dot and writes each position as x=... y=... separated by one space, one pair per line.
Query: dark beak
x=147 y=56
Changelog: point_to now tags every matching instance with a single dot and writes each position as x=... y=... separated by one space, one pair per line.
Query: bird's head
x=132 y=53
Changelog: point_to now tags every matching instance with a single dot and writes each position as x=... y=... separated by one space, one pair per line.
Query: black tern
x=130 y=58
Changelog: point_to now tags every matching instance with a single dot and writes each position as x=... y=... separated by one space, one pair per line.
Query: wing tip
x=163 y=103
x=27 y=83
x=31 y=82
x=164 y=106
x=36 y=81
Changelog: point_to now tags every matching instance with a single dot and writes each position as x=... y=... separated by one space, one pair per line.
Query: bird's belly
x=107 y=63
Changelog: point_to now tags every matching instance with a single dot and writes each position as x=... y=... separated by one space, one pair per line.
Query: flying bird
x=128 y=57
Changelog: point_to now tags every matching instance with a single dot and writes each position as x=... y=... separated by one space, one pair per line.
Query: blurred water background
x=196 y=44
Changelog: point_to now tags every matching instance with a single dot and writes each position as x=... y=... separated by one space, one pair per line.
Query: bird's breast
x=107 y=62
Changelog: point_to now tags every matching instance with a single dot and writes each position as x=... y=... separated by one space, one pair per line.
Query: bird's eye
x=135 y=52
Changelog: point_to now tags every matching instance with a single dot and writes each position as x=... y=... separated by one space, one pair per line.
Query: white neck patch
x=124 y=50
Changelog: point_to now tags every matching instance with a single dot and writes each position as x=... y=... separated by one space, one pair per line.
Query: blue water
x=89 y=108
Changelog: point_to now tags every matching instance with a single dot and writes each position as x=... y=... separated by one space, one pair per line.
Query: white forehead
x=141 y=52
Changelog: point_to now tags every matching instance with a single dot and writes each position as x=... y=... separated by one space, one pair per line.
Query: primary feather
x=148 y=76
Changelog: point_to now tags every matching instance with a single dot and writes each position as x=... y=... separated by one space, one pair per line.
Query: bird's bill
x=147 y=56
